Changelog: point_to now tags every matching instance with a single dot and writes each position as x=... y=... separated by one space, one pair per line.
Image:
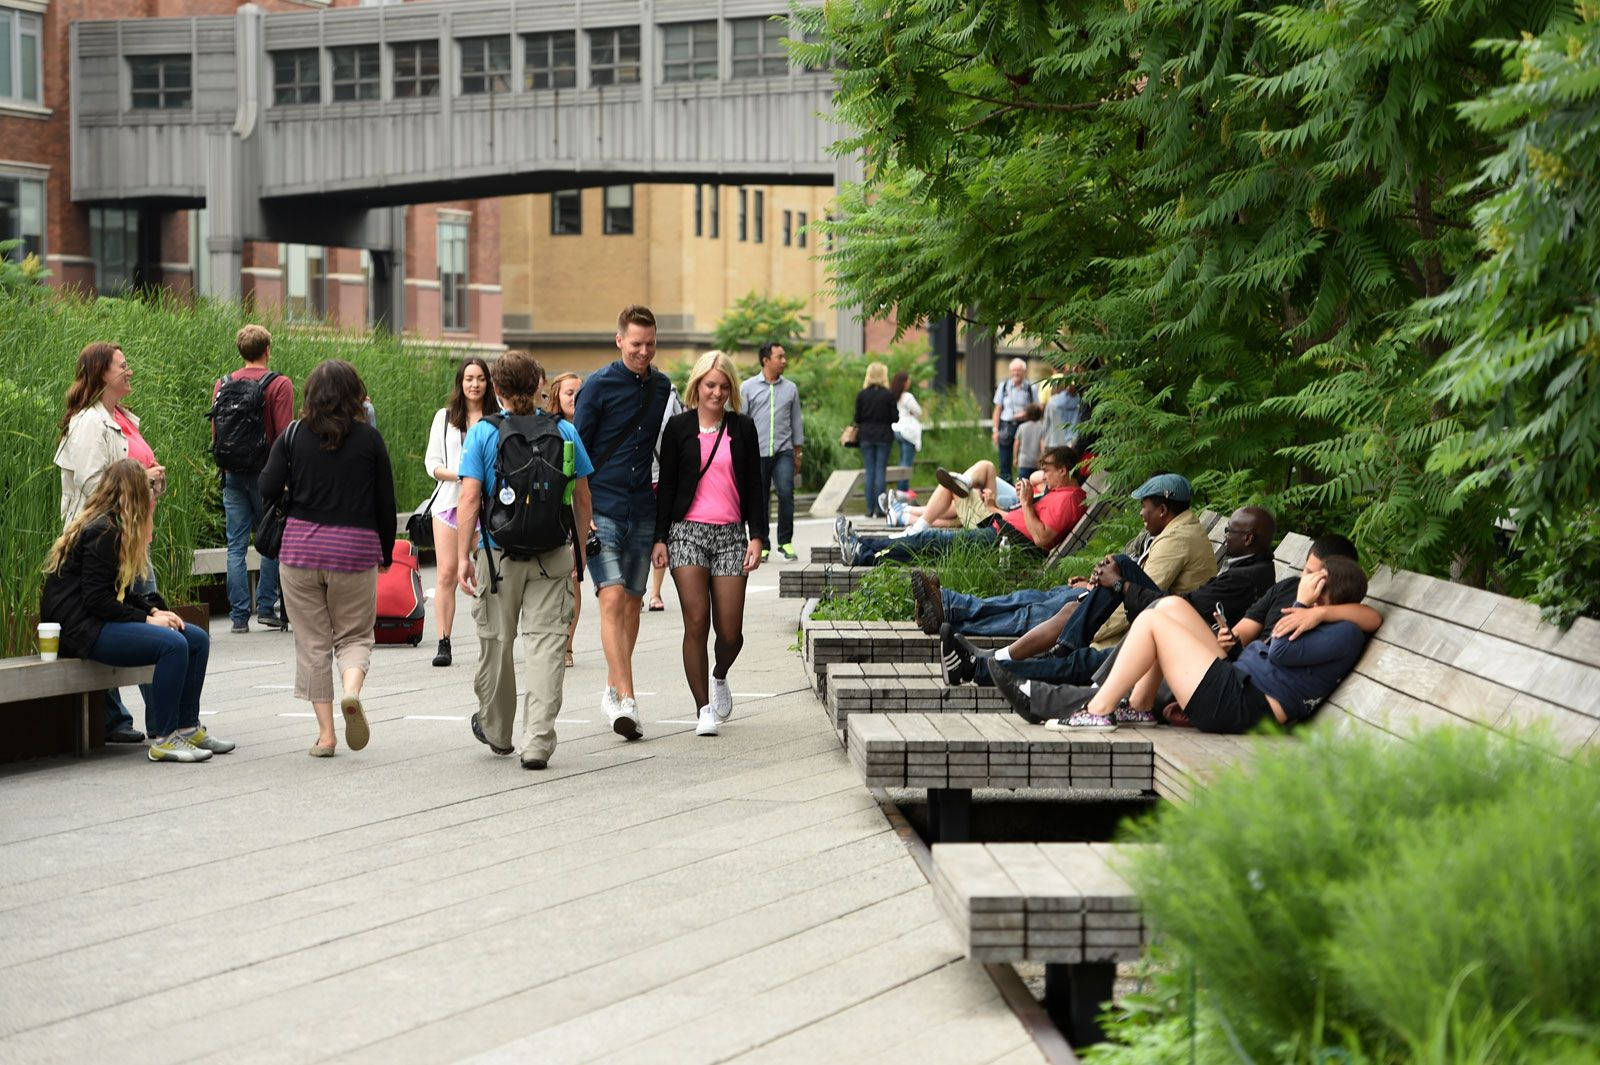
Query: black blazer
x=876 y=413
x=82 y=595
x=353 y=486
x=680 y=472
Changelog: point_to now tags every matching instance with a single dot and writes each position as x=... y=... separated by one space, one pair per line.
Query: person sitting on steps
x=1285 y=676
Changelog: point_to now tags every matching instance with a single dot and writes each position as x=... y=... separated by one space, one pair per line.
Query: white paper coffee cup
x=49 y=640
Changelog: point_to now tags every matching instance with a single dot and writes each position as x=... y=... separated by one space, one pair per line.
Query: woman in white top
x=908 y=427
x=470 y=400
x=561 y=399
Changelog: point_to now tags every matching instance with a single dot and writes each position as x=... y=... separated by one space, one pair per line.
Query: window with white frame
x=416 y=69
x=305 y=281
x=453 y=272
x=485 y=65
x=297 y=77
x=689 y=51
x=614 y=56
x=618 y=215
x=757 y=47
x=22 y=216
x=551 y=60
x=21 y=77
x=566 y=212
x=356 y=72
x=114 y=246
x=160 y=82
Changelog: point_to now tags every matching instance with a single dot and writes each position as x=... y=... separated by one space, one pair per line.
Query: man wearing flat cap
x=1177 y=558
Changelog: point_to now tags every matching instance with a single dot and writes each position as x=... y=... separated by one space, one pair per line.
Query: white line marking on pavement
x=297 y=715
x=435 y=717
x=572 y=721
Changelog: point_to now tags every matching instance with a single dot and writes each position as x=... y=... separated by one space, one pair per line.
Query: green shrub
x=1424 y=901
x=176 y=350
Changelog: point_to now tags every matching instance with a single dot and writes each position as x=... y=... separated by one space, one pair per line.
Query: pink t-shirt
x=716 y=499
x=1059 y=509
x=138 y=450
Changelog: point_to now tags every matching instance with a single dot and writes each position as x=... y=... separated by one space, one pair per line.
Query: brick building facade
x=452 y=270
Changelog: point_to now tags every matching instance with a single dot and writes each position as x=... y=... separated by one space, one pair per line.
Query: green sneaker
x=764 y=554
x=176 y=748
x=787 y=551
x=207 y=742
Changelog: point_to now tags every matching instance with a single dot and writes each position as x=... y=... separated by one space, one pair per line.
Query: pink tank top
x=716 y=499
x=138 y=450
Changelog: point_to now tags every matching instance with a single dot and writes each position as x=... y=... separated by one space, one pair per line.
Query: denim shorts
x=624 y=555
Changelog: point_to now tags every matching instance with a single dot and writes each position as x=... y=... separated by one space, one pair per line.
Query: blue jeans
x=777 y=471
x=1008 y=436
x=1005 y=615
x=908 y=456
x=241 y=510
x=624 y=555
x=872 y=550
x=117 y=715
x=875 y=457
x=172 y=698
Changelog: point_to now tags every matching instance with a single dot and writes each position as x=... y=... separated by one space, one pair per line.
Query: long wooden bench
x=1062 y=904
x=842 y=484
x=26 y=678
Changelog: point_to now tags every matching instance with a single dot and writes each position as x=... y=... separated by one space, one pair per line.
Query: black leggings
x=709 y=601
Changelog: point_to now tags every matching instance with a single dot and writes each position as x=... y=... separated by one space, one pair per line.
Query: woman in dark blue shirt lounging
x=1278 y=677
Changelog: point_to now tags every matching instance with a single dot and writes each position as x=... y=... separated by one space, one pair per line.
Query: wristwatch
x=1116 y=589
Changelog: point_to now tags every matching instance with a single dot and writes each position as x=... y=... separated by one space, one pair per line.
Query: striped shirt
x=339 y=548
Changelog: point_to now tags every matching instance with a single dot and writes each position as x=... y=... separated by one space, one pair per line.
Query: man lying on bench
x=1282 y=677
x=1035 y=525
x=964 y=500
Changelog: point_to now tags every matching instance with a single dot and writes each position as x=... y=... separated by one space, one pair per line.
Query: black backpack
x=529 y=511
x=238 y=416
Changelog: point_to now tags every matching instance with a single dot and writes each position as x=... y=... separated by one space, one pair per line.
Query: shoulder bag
x=269 y=530
x=850 y=436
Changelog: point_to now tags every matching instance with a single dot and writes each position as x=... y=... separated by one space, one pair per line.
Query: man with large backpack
x=249 y=408
x=524 y=479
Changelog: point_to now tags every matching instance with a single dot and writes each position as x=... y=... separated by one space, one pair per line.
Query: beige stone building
x=570 y=260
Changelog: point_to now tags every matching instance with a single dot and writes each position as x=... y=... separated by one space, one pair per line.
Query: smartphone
x=1222 y=618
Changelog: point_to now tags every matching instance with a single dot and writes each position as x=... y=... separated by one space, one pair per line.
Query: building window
x=355 y=72
x=199 y=242
x=453 y=273
x=22 y=216
x=689 y=51
x=699 y=206
x=716 y=211
x=758 y=50
x=485 y=65
x=566 y=212
x=744 y=214
x=416 y=69
x=552 y=60
x=788 y=227
x=800 y=236
x=114 y=245
x=297 y=77
x=618 y=218
x=305 y=281
x=761 y=216
x=20 y=76
x=614 y=56
x=160 y=82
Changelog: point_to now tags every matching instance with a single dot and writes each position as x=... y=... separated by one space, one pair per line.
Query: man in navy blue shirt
x=618 y=414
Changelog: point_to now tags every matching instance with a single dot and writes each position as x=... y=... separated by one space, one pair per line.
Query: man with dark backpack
x=249 y=408
x=525 y=488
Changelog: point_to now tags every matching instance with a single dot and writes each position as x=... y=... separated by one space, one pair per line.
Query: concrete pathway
x=675 y=900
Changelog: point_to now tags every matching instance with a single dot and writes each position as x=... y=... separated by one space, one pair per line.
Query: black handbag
x=269 y=530
x=419 y=527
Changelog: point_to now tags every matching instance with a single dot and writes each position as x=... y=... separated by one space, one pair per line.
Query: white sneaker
x=721 y=698
x=625 y=722
x=708 y=722
x=608 y=703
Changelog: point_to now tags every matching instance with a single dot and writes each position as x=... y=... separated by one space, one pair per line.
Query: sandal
x=569 y=658
x=656 y=604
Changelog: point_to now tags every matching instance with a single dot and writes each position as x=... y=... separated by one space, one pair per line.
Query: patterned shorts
x=719 y=548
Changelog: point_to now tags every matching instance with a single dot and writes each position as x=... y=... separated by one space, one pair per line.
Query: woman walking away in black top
x=340 y=532
x=876 y=413
x=89 y=591
x=711 y=524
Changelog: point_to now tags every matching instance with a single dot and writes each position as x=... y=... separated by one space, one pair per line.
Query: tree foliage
x=1335 y=256
x=754 y=320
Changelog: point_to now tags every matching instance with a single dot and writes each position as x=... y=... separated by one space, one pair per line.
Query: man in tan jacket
x=1173 y=556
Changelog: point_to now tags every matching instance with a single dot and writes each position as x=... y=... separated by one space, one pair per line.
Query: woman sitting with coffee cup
x=89 y=592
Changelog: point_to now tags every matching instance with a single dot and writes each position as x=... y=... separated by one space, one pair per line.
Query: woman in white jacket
x=470 y=400
x=908 y=426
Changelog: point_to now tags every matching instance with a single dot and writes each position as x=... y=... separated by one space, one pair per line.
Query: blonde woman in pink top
x=711 y=524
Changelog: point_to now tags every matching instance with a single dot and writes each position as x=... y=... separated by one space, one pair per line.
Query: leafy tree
x=26 y=274
x=755 y=319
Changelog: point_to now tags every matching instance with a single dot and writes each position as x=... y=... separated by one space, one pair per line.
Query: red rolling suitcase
x=401 y=606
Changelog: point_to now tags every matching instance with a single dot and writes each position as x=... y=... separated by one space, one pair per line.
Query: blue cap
x=1171 y=486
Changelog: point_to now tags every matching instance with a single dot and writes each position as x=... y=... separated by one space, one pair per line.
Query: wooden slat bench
x=1062 y=904
x=895 y=687
x=25 y=678
x=842 y=484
